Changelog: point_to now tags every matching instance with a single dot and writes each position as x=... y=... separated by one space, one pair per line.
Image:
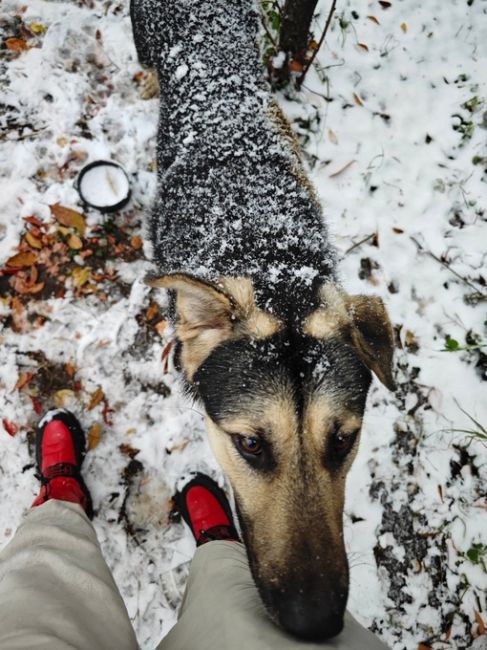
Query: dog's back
x=232 y=197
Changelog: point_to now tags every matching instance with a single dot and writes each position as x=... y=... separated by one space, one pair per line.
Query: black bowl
x=103 y=206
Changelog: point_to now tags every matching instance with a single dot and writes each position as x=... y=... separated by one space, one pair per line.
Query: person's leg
x=56 y=591
x=221 y=608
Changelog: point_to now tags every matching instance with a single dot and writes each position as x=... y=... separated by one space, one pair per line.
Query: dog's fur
x=278 y=354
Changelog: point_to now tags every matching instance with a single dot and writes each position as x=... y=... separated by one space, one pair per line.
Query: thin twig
x=320 y=43
x=268 y=34
x=445 y=264
x=359 y=243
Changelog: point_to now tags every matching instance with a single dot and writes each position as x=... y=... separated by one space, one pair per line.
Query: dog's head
x=284 y=411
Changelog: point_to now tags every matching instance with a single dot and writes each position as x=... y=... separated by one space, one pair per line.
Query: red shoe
x=60 y=450
x=205 y=508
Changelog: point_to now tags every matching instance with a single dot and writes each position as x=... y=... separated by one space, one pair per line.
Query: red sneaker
x=60 y=450
x=205 y=508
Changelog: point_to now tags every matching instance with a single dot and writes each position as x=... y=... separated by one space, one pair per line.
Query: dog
x=278 y=354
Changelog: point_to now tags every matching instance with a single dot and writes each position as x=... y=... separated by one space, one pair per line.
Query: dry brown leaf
x=94 y=435
x=161 y=327
x=363 y=46
x=136 y=242
x=357 y=100
x=480 y=622
x=342 y=169
x=10 y=427
x=152 y=311
x=17 y=44
x=22 y=260
x=62 y=396
x=75 y=243
x=33 y=241
x=385 y=4
x=128 y=450
x=19 y=315
x=373 y=19
x=96 y=398
x=70 y=368
x=296 y=66
x=424 y=646
x=69 y=217
x=23 y=380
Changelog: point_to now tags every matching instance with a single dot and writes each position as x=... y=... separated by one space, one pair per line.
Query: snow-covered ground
x=393 y=120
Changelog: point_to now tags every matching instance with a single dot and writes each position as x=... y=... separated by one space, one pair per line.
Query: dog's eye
x=339 y=446
x=342 y=442
x=257 y=452
x=249 y=445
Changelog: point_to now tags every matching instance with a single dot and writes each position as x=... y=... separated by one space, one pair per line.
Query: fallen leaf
x=363 y=46
x=128 y=450
x=34 y=221
x=384 y=4
x=22 y=260
x=19 y=316
x=36 y=28
x=36 y=405
x=178 y=447
x=81 y=275
x=23 y=380
x=373 y=19
x=26 y=285
x=70 y=368
x=342 y=169
x=296 y=66
x=16 y=44
x=75 y=243
x=68 y=217
x=152 y=311
x=96 y=398
x=62 y=396
x=106 y=413
x=357 y=100
x=33 y=241
x=398 y=231
x=94 y=435
x=332 y=137
x=136 y=242
x=161 y=327
x=404 y=27
x=424 y=646
x=480 y=622
x=10 y=427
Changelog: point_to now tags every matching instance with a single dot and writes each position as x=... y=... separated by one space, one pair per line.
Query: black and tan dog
x=278 y=354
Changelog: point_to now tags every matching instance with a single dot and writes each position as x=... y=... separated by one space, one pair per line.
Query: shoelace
x=60 y=469
x=217 y=533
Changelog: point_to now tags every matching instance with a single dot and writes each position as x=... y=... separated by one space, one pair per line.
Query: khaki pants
x=56 y=593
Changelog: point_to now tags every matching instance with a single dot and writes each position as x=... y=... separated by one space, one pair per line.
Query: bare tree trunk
x=295 y=28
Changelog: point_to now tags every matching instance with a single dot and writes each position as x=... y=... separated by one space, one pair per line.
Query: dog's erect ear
x=210 y=313
x=363 y=321
x=200 y=305
x=372 y=335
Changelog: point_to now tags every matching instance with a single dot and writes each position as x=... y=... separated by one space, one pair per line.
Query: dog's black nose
x=312 y=619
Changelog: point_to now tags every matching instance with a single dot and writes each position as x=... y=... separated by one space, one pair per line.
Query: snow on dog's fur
x=277 y=353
